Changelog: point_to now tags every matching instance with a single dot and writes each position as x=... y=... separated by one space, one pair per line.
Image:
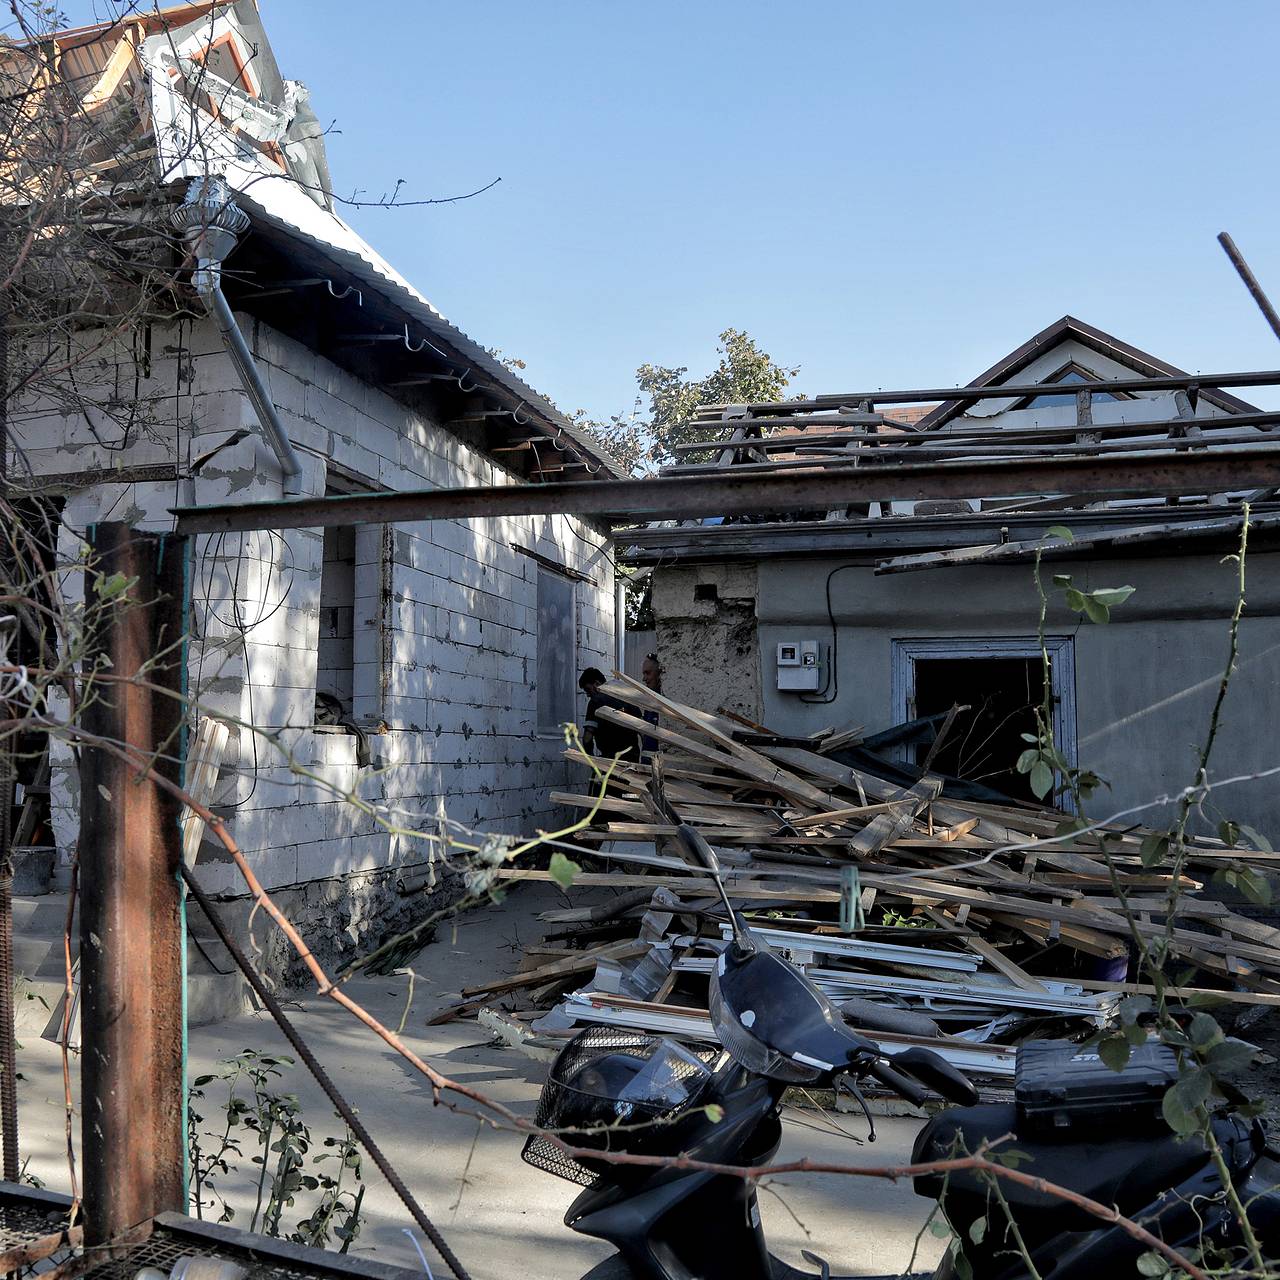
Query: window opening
x=352 y=656
x=557 y=651
x=1001 y=682
x=1072 y=373
x=335 y=658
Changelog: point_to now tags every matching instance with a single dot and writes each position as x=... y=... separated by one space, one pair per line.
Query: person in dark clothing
x=602 y=737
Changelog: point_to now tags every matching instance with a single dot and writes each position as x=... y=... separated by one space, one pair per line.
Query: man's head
x=590 y=680
x=651 y=672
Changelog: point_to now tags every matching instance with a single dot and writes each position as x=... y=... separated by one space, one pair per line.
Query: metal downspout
x=207 y=283
x=211 y=224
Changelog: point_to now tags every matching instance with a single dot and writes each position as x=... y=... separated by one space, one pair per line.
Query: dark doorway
x=984 y=742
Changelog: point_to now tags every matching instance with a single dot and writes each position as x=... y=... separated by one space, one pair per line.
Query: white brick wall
x=457 y=703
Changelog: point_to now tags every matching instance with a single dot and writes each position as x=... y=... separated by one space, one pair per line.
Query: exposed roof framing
x=1208 y=385
x=1165 y=532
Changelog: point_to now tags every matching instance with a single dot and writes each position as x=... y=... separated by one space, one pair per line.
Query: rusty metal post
x=133 y=1126
x=8 y=1043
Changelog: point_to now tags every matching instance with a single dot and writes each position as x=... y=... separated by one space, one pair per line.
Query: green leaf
x=1061 y=579
x=110 y=587
x=1228 y=833
x=1255 y=886
x=1154 y=848
x=1060 y=531
x=1075 y=599
x=1132 y=1008
x=1136 y=1035
x=1096 y=611
x=1111 y=596
x=1010 y=1157
x=1256 y=838
x=1041 y=779
x=1205 y=1000
x=1230 y=1055
x=1180 y=1101
x=1204 y=1031
x=1153 y=1265
x=714 y=1112
x=1027 y=760
x=563 y=870
x=939 y=1228
x=978 y=1230
x=1114 y=1051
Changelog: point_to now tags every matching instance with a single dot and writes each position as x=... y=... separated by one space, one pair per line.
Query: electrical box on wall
x=798 y=666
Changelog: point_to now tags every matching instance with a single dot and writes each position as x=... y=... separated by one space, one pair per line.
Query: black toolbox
x=1063 y=1090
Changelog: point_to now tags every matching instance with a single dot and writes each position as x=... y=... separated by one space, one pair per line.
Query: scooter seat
x=1128 y=1173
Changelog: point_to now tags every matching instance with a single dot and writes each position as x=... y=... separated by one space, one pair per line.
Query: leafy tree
x=642 y=443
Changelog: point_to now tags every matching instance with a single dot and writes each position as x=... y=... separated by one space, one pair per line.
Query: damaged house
x=418 y=665
x=878 y=615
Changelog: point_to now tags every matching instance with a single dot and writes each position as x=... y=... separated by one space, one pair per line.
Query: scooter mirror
x=701 y=852
x=936 y=1072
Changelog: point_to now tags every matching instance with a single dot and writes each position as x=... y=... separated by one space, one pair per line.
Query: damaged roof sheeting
x=213 y=101
x=1069 y=397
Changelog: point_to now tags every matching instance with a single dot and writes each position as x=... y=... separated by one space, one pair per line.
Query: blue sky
x=887 y=194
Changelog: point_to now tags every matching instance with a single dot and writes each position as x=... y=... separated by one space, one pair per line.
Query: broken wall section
x=707 y=637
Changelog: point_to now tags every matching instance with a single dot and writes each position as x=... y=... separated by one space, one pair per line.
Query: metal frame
x=1203 y=382
x=630 y=501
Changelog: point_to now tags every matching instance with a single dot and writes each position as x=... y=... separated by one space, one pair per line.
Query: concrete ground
x=502 y=1217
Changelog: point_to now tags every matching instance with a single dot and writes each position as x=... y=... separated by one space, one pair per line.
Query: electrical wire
x=832 y=681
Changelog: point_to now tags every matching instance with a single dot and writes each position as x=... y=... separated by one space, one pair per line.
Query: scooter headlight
x=746 y=1050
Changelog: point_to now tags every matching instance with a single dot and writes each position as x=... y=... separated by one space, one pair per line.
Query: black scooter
x=626 y=1091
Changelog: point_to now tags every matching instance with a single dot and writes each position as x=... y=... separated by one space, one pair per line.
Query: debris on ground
x=982 y=924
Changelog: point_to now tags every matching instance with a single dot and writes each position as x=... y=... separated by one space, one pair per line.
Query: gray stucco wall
x=1144 y=683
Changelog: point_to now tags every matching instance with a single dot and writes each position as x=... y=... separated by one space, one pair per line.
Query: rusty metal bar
x=632 y=501
x=8 y=1035
x=1250 y=281
x=1005 y=391
x=133 y=1122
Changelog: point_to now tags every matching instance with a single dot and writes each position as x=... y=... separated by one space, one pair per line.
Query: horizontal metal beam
x=1206 y=382
x=634 y=501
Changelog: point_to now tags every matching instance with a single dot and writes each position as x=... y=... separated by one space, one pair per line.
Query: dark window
x=335 y=660
x=557 y=652
x=984 y=742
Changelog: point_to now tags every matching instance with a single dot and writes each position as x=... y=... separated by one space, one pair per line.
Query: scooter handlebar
x=900 y=1084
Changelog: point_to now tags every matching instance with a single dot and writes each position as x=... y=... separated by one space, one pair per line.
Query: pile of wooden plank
x=986 y=917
